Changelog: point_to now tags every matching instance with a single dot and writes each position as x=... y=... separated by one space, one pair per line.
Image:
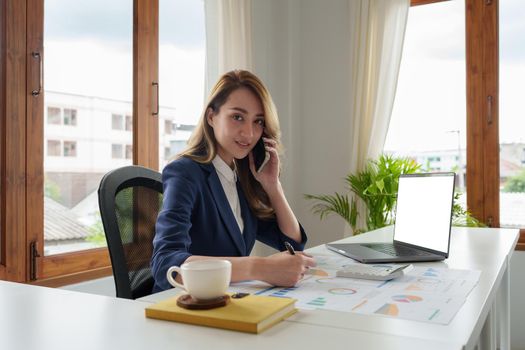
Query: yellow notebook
x=251 y=314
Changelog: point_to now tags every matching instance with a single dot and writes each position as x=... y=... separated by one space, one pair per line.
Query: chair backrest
x=130 y=199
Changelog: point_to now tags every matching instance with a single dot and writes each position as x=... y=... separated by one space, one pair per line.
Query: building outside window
x=117 y=122
x=129 y=123
x=168 y=125
x=116 y=151
x=70 y=116
x=53 y=115
x=70 y=148
x=53 y=148
x=129 y=151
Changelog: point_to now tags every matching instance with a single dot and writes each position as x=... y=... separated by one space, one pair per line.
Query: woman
x=216 y=204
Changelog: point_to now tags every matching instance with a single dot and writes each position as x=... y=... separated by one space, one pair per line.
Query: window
x=70 y=116
x=129 y=123
x=433 y=104
x=53 y=115
x=129 y=152
x=70 y=148
x=117 y=122
x=481 y=176
x=176 y=147
x=94 y=63
x=116 y=151
x=182 y=50
x=511 y=121
x=54 y=148
x=168 y=126
x=88 y=71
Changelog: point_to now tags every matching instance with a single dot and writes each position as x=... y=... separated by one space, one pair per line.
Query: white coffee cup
x=203 y=279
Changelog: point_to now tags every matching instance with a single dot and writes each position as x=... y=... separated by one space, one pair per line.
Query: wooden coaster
x=187 y=302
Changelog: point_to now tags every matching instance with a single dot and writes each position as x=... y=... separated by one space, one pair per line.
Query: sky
x=429 y=111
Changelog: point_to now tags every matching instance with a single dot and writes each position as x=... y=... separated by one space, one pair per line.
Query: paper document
x=423 y=294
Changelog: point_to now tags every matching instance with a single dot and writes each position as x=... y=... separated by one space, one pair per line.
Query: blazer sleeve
x=269 y=233
x=172 y=240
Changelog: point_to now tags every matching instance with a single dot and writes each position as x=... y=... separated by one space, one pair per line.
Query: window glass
x=54 y=148
x=117 y=122
x=428 y=121
x=70 y=148
x=181 y=72
x=53 y=115
x=129 y=123
x=88 y=71
x=511 y=121
x=129 y=151
x=70 y=116
x=167 y=127
x=116 y=151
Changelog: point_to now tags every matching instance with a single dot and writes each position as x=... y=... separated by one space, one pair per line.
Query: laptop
x=423 y=221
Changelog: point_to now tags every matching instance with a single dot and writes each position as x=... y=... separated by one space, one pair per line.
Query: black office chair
x=130 y=199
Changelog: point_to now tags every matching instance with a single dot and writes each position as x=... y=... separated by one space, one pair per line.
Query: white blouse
x=228 y=178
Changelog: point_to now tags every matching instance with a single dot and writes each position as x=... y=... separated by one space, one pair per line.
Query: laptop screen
x=424 y=210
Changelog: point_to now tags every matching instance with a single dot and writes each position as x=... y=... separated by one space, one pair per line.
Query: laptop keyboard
x=395 y=250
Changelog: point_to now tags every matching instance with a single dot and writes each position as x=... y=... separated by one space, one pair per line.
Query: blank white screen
x=424 y=208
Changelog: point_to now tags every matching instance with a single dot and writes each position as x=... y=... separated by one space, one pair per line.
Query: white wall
x=302 y=52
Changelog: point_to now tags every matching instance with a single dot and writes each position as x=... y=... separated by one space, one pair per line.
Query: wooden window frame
x=12 y=121
x=482 y=110
x=3 y=34
x=21 y=129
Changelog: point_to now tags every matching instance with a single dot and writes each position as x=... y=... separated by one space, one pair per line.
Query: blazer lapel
x=225 y=211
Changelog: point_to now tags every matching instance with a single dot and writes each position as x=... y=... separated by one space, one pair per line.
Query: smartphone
x=260 y=155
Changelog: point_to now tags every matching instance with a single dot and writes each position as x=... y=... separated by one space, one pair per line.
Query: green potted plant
x=376 y=186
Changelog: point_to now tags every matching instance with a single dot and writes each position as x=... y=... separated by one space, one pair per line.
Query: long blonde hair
x=202 y=145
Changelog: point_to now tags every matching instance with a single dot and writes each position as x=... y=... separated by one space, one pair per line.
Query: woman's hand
x=268 y=177
x=284 y=270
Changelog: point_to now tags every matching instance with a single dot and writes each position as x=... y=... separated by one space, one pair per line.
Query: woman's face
x=238 y=125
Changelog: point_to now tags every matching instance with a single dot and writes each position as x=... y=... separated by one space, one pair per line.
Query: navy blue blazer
x=196 y=218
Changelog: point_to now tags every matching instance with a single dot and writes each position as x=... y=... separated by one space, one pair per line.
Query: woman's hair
x=202 y=145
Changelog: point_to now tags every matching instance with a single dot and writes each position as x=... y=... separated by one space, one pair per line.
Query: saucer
x=186 y=301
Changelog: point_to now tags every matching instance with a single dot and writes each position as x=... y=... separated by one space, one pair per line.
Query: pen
x=289 y=248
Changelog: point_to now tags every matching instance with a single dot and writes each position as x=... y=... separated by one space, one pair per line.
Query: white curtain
x=378 y=31
x=228 y=37
x=378 y=34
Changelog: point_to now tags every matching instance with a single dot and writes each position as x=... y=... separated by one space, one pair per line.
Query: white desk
x=483 y=320
x=34 y=317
